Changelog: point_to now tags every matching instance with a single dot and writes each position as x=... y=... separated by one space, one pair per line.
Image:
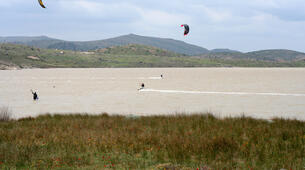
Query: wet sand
x=256 y=92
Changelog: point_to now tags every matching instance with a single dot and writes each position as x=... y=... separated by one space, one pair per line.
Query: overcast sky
x=244 y=25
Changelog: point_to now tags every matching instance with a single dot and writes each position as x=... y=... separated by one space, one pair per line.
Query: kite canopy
x=186 y=29
x=41 y=3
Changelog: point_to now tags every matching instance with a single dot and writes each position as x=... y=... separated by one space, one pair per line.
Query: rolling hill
x=13 y=56
x=279 y=55
x=163 y=43
x=169 y=45
x=276 y=55
x=223 y=50
x=135 y=49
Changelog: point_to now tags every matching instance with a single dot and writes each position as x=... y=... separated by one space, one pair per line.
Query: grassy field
x=158 y=142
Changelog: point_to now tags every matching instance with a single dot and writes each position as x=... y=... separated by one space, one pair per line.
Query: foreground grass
x=158 y=142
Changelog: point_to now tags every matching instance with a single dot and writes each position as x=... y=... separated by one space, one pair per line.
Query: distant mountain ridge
x=23 y=39
x=163 y=43
x=223 y=50
x=170 y=45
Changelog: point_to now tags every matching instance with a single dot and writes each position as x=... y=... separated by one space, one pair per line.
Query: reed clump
x=156 y=142
x=5 y=114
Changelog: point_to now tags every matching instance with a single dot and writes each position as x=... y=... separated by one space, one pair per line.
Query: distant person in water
x=142 y=86
x=35 y=95
x=161 y=76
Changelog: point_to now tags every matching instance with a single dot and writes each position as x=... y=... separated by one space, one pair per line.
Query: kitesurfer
x=35 y=95
x=142 y=86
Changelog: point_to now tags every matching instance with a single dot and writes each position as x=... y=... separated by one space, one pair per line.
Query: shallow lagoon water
x=256 y=92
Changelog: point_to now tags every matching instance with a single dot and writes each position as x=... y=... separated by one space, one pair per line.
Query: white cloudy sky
x=244 y=25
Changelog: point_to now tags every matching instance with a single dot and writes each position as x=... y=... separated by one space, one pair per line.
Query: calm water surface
x=256 y=92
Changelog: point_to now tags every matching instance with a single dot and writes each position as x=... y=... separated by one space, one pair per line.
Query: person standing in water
x=35 y=95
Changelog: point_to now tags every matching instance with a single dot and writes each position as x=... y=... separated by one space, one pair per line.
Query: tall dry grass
x=183 y=142
x=5 y=114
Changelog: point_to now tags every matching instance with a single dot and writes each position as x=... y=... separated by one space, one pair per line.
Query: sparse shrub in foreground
x=5 y=114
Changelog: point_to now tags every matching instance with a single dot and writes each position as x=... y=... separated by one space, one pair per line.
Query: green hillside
x=265 y=55
x=134 y=49
x=168 y=45
x=163 y=43
x=20 y=56
x=277 y=55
